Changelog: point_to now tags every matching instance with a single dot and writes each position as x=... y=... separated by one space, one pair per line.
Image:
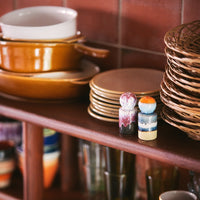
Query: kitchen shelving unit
x=72 y=120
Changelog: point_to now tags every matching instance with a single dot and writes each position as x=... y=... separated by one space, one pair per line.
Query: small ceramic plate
x=101 y=117
x=112 y=97
x=136 y=80
x=104 y=112
x=105 y=104
x=104 y=94
x=106 y=100
x=96 y=104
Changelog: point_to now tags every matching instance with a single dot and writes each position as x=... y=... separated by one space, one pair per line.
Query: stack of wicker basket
x=180 y=88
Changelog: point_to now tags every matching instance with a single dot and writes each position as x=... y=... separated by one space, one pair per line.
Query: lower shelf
x=15 y=191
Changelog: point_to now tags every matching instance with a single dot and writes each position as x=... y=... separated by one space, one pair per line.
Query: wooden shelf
x=15 y=191
x=171 y=146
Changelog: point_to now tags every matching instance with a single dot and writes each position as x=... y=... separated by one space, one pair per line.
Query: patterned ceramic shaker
x=147 y=118
x=127 y=113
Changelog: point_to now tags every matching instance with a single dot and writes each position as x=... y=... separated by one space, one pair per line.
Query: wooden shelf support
x=69 y=163
x=33 y=165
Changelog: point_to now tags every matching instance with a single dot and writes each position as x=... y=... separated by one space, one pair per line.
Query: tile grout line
x=64 y=3
x=119 y=34
x=14 y=4
x=143 y=50
x=182 y=11
x=129 y=48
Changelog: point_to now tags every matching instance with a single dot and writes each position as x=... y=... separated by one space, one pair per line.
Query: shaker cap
x=128 y=100
x=147 y=104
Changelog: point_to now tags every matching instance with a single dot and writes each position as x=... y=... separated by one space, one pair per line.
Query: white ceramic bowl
x=177 y=194
x=39 y=23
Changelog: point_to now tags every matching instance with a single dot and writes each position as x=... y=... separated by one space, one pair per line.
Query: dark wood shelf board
x=172 y=145
x=15 y=191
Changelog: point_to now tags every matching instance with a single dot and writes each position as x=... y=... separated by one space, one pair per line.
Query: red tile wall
x=98 y=15
x=27 y=3
x=133 y=30
x=6 y=6
x=191 y=10
x=145 y=22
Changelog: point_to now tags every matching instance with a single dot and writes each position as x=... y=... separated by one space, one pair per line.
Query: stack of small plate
x=180 y=88
x=106 y=88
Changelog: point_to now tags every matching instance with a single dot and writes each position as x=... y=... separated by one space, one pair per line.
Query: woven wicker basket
x=180 y=88
x=191 y=61
x=176 y=118
x=185 y=39
x=178 y=70
x=177 y=90
x=192 y=132
x=195 y=91
x=190 y=69
x=189 y=117
x=184 y=101
x=180 y=77
x=176 y=105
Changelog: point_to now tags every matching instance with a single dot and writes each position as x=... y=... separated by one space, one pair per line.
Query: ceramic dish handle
x=91 y=51
x=81 y=82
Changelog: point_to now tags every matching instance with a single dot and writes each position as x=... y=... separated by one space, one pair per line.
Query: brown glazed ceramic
x=137 y=80
x=42 y=88
x=101 y=117
x=86 y=70
x=44 y=56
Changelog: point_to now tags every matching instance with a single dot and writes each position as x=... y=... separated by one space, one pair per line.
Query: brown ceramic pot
x=19 y=56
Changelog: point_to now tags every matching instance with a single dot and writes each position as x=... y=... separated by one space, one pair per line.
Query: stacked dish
x=180 y=87
x=106 y=88
x=7 y=162
x=48 y=86
x=44 y=39
x=51 y=140
x=51 y=156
